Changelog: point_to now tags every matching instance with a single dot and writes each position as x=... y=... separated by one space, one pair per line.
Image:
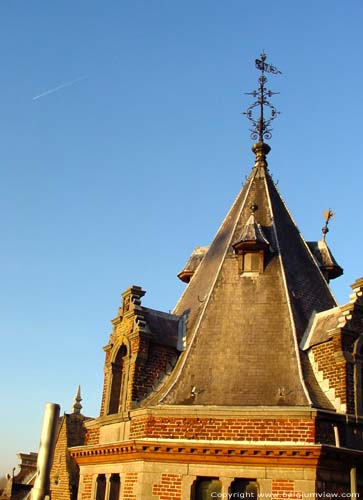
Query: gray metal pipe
x=46 y=451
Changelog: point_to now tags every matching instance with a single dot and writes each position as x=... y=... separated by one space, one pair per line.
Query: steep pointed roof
x=243 y=329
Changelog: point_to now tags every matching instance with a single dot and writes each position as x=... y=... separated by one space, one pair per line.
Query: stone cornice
x=211 y=411
x=195 y=452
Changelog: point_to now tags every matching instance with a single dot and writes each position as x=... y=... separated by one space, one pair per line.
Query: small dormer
x=193 y=263
x=251 y=246
x=323 y=256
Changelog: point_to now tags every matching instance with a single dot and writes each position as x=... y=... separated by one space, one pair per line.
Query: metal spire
x=261 y=125
x=77 y=407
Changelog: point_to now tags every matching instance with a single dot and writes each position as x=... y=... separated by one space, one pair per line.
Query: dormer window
x=251 y=246
x=252 y=262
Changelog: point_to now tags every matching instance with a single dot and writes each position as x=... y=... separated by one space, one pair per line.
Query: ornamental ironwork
x=261 y=128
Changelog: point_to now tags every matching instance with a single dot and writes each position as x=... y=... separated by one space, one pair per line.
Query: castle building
x=252 y=387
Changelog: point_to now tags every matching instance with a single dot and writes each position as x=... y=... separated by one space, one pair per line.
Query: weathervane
x=328 y=214
x=261 y=126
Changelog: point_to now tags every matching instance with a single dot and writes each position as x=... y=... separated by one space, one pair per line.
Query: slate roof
x=192 y=264
x=325 y=258
x=243 y=330
x=322 y=325
x=162 y=326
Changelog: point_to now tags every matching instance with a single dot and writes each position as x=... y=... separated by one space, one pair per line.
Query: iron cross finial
x=261 y=125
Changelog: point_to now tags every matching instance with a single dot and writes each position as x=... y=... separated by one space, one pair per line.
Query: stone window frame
x=124 y=376
x=226 y=485
x=107 y=493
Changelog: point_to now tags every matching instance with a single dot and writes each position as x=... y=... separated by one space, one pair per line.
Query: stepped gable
x=243 y=327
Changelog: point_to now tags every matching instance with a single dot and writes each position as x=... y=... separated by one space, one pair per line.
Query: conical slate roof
x=243 y=328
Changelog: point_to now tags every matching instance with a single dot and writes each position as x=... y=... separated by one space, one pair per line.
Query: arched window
x=114 y=487
x=206 y=488
x=101 y=487
x=244 y=488
x=118 y=381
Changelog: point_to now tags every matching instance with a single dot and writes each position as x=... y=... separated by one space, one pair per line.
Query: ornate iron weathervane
x=261 y=126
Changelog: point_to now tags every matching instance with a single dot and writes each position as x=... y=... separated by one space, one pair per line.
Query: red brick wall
x=169 y=488
x=330 y=359
x=333 y=370
x=283 y=429
x=284 y=488
x=148 y=371
x=130 y=482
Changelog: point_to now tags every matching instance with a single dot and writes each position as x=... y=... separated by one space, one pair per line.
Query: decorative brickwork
x=169 y=488
x=146 y=355
x=130 y=483
x=252 y=429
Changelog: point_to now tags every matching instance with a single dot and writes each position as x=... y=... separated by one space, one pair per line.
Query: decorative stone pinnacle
x=77 y=407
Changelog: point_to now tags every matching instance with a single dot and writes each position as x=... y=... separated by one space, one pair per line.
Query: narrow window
x=116 y=382
x=100 y=487
x=114 y=487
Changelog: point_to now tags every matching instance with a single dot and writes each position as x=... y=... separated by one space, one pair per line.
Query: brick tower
x=253 y=385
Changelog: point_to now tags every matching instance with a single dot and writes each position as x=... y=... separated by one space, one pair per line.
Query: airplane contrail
x=66 y=84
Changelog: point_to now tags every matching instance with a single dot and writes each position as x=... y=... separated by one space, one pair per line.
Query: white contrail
x=66 y=84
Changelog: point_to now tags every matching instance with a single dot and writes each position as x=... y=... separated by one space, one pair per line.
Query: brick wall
x=130 y=482
x=330 y=358
x=169 y=488
x=148 y=371
x=284 y=488
x=64 y=473
x=92 y=436
x=87 y=487
x=148 y=363
x=257 y=429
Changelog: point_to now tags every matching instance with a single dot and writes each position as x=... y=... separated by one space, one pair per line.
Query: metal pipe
x=353 y=481
x=46 y=451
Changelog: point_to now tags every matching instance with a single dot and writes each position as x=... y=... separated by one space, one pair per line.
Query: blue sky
x=114 y=179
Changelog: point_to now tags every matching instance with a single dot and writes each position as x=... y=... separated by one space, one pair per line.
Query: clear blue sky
x=114 y=179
